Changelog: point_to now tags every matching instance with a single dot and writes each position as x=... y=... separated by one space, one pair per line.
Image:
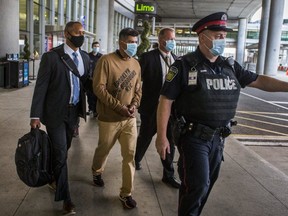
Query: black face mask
x=77 y=41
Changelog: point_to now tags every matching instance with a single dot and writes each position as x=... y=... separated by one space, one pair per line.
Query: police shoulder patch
x=173 y=71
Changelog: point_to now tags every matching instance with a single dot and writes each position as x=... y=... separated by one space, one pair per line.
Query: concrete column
x=110 y=46
x=102 y=24
x=274 y=37
x=263 y=36
x=9 y=36
x=240 y=51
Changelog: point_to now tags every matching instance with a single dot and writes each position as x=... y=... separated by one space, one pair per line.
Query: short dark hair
x=69 y=26
x=95 y=42
x=124 y=33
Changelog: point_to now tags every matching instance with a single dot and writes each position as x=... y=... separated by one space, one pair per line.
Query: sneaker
x=68 y=208
x=52 y=186
x=98 y=181
x=127 y=202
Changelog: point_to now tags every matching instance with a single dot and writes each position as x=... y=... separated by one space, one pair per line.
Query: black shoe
x=172 y=181
x=127 y=202
x=138 y=166
x=98 y=181
x=68 y=208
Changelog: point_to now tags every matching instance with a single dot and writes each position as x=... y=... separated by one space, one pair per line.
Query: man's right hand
x=35 y=123
x=162 y=146
x=126 y=112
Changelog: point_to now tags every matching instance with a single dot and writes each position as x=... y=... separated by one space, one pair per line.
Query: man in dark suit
x=91 y=97
x=154 y=66
x=58 y=101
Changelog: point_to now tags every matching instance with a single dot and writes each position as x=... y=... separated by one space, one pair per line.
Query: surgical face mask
x=218 y=46
x=170 y=45
x=77 y=41
x=96 y=49
x=131 y=49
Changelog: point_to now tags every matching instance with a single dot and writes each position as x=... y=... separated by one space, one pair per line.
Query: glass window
x=23 y=15
x=36 y=18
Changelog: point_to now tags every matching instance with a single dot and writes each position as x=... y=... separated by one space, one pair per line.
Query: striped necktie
x=76 y=89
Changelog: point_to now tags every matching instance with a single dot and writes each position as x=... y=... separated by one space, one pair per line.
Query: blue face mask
x=170 y=45
x=96 y=49
x=131 y=49
x=218 y=46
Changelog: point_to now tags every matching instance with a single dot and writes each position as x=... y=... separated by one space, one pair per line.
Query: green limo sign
x=145 y=8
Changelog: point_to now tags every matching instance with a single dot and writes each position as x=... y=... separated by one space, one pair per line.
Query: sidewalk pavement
x=248 y=185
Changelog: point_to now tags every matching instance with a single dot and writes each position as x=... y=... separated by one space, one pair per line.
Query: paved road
x=263 y=125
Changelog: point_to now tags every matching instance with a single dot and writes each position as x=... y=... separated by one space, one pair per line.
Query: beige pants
x=126 y=133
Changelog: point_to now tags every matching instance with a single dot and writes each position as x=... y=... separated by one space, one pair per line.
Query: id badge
x=192 y=77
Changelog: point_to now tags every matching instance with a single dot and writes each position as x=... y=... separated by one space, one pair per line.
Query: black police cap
x=215 y=22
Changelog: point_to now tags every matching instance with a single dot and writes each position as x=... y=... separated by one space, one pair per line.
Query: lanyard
x=165 y=60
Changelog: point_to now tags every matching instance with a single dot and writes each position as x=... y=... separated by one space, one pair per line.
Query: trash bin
x=16 y=74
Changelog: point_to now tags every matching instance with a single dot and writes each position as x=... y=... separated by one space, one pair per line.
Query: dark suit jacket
x=52 y=91
x=151 y=72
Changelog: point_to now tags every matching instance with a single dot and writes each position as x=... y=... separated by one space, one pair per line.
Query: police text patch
x=171 y=73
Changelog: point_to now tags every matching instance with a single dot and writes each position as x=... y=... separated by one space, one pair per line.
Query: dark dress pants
x=148 y=129
x=198 y=166
x=92 y=101
x=61 y=138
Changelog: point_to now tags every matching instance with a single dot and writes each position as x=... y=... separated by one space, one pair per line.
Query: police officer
x=205 y=88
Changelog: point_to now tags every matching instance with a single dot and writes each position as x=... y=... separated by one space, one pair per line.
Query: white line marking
x=261 y=129
x=264 y=100
x=264 y=122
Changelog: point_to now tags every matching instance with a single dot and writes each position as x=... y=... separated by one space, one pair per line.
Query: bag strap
x=67 y=60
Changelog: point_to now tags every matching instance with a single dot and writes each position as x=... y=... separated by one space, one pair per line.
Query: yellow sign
x=145 y=7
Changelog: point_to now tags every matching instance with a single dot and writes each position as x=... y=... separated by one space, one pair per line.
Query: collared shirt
x=80 y=67
x=165 y=67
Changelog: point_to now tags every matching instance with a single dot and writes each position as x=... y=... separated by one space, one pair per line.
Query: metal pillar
x=274 y=37
x=240 y=51
x=263 y=36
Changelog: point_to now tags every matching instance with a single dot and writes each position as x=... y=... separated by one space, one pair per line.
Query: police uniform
x=206 y=96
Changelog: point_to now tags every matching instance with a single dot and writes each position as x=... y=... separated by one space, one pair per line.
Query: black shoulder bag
x=85 y=80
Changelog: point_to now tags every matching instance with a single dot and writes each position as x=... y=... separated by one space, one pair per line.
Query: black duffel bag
x=33 y=158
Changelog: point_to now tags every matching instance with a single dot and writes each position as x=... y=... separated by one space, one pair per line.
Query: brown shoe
x=68 y=208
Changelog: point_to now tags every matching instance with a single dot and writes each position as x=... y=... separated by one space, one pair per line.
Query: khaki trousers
x=126 y=133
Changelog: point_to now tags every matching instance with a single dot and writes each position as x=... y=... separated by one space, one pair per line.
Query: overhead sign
x=145 y=8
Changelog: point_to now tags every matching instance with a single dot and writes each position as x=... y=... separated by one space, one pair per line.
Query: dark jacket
x=151 y=72
x=52 y=91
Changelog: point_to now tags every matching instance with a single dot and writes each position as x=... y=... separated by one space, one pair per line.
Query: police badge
x=192 y=76
x=173 y=71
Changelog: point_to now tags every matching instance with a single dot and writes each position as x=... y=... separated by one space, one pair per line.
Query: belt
x=72 y=105
x=202 y=131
